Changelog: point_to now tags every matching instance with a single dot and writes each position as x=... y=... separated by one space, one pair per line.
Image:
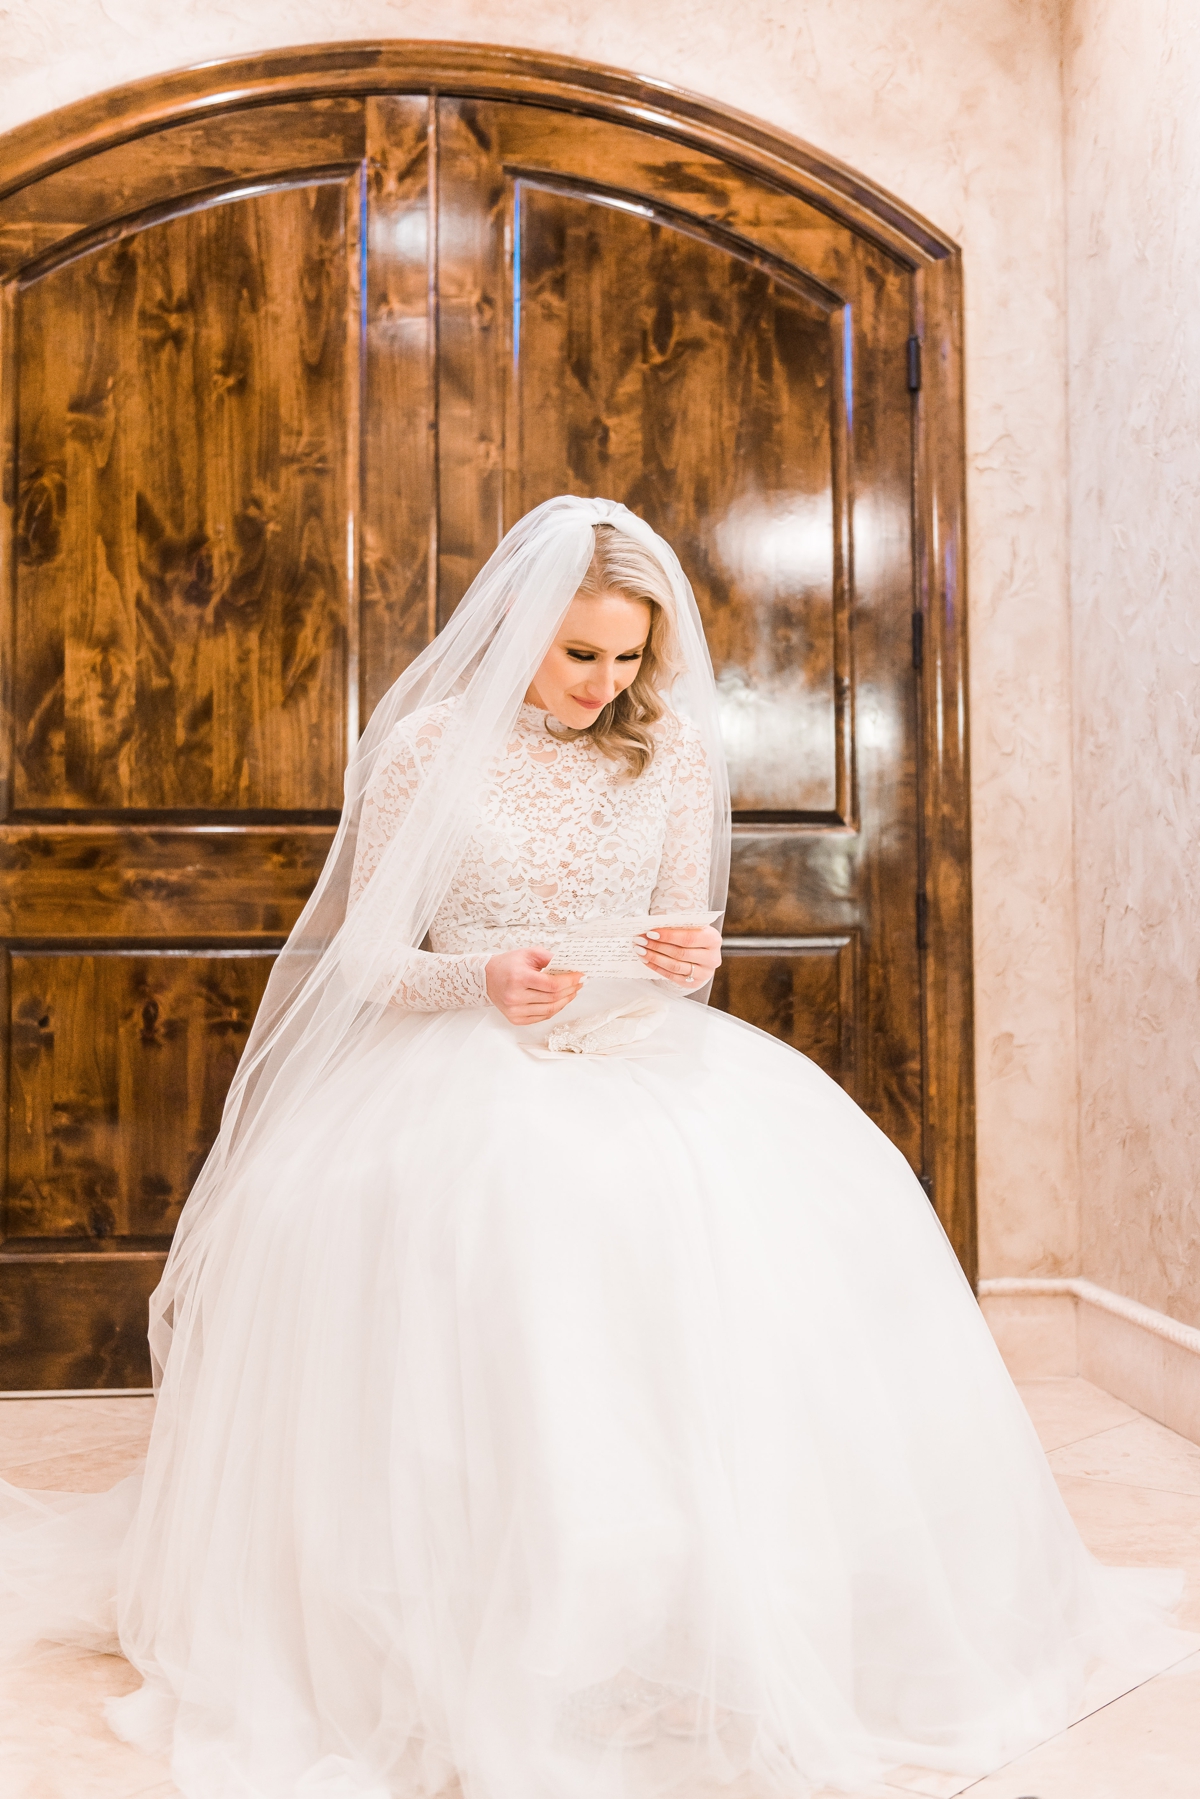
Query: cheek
x=555 y=671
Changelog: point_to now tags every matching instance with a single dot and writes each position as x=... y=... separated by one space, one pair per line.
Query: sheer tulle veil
x=333 y=977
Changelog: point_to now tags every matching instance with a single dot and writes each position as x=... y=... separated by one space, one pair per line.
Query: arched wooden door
x=276 y=381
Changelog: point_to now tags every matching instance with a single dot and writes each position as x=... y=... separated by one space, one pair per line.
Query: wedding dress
x=581 y=1426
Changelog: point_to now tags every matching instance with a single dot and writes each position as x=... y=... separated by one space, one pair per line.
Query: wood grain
x=399 y=467
x=76 y=1318
x=941 y=555
x=732 y=364
x=251 y=460
x=474 y=345
x=194 y=159
x=108 y=1129
x=181 y=575
x=565 y=83
x=180 y=884
x=657 y=367
x=804 y=993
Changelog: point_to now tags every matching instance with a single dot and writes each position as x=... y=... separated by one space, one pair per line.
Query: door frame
x=323 y=71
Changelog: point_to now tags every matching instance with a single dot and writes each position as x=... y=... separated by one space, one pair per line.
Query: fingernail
x=652 y=933
x=641 y=949
x=639 y=939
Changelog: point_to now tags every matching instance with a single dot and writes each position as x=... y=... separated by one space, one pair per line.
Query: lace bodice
x=563 y=835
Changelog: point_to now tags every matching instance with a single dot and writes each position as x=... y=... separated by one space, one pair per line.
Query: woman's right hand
x=518 y=987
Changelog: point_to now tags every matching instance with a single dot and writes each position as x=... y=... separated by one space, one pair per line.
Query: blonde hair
x=624 y=729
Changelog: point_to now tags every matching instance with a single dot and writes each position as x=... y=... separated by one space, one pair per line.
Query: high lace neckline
x=535 y=719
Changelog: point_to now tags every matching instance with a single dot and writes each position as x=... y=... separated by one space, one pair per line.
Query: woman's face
x=595 y=656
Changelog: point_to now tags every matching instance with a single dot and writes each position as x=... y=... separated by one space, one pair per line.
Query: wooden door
x=276 y=383
x=619 y=318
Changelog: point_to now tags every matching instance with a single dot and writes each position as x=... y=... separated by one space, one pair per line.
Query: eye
x=582 y=655
x=630 y=656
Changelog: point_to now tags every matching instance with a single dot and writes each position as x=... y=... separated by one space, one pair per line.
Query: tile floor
x=1134 y=1489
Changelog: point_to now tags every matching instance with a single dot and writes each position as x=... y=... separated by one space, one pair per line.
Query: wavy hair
x=624 y=731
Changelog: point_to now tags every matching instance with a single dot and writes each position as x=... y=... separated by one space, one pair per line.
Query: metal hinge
x=922 y=918
x=914 y=365
x=918 y=639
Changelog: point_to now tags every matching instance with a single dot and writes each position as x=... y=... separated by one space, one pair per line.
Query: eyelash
x=587 y=656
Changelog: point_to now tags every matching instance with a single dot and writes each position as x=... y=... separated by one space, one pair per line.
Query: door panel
x=108 y=1129
x=70 y=1320
x=803 y=990
x=116 y=186
x=181 y=531
x=705 y=388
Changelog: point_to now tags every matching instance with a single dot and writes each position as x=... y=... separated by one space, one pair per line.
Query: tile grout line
x=1086 y=1719
x=1100 y=1480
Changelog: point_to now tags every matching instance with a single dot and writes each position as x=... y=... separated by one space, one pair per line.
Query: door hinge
x=918 y=639
x=926 y=1181
x=914 y=365
x=922 y=918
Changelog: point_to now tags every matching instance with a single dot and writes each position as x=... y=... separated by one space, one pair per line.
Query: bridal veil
x=335 y=973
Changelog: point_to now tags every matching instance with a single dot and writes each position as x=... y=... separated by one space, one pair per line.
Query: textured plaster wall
x=955 y=105
x=1132 y=77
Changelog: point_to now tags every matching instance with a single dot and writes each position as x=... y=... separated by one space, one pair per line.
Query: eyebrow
x=578 y=643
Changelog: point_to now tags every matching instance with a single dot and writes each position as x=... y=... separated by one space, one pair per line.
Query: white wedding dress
x=600 y=1426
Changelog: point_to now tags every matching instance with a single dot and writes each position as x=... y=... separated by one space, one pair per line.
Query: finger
x=678 y=935
x=664 y=963
x=684 y=974
x=552 y=984
x=544 y=1005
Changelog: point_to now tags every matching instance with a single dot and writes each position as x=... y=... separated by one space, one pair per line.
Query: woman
x=565 y=1391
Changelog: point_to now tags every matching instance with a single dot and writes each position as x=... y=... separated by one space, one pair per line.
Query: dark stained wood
x=108 y=1128
x=9 y=394
x=398 y=614
x=619 y=289
x=474 y=348
x=75 y=1318
x=419 y=65
x=181 y=599
x=106 y=194
x=706 y=392
x=939 y=508
x=705 y=372
x=119 y=882
x=182 y=594
x=802 y=991
x=195 y=159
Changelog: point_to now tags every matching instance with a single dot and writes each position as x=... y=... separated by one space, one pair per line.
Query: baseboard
x=77 y=1393
x=1070 y=1326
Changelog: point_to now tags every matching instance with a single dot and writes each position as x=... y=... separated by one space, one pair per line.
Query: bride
x=565 y=1392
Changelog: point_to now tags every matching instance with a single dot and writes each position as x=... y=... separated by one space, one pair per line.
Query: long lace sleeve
x=682 y=882
x=422 y=980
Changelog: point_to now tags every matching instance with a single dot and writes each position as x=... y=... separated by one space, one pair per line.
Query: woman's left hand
x=687 y=957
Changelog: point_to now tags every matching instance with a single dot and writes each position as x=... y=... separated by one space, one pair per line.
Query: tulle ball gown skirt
x=599 y=1427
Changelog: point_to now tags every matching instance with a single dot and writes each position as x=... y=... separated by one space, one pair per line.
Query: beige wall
x=957 y=107
x=1133 y=77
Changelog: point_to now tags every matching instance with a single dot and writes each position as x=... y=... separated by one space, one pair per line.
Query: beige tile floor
x=1133 y=1487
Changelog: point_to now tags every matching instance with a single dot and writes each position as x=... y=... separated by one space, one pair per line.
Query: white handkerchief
x=603 y=947
x=600 y=1033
